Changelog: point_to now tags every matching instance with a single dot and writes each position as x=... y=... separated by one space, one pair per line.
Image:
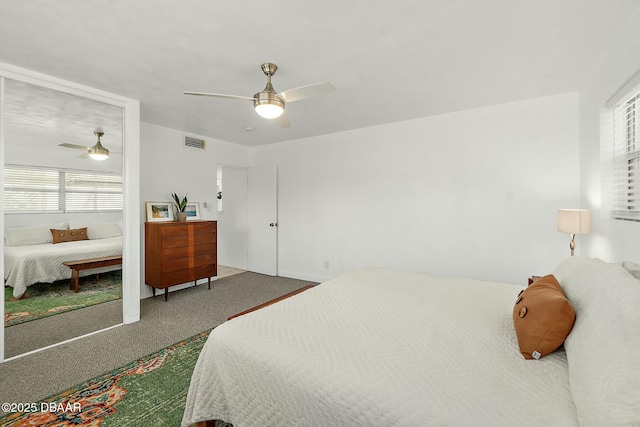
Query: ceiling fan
x=268 y=103
x=96 y=152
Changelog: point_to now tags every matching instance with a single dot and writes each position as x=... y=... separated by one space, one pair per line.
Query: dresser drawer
x=189 y=275
x=194 y=228
x=188 y=251
x=190 y=262
x=187 y=240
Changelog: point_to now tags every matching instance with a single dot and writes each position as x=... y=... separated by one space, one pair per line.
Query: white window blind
x=88 y=191
x=31 y=189
x=626 y=159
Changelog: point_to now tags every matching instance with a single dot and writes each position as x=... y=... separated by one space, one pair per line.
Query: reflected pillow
x=31 y=235
x=542 y=317
x=99 y=230
x=73 y=235
x=632 y=268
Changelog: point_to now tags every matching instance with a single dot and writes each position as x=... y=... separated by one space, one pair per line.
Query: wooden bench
x=86 y=264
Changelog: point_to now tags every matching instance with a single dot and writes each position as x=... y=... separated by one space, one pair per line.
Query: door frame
x=222 y=217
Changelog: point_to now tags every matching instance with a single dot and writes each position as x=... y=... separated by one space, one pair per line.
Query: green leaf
x=180 y=204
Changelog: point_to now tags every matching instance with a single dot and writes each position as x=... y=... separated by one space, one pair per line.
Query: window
x=89 y=191
x=33 y=189
x=626 y=159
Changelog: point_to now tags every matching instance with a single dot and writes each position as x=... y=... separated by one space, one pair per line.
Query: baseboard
x=302 y=276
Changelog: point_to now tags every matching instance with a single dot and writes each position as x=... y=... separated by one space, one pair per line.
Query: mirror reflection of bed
x=53 y=187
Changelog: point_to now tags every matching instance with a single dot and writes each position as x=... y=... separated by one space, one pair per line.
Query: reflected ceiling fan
x=270 y=104
x=97 y=152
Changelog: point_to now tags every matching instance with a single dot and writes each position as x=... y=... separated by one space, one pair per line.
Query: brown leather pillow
x=61 y=236
x=542 y=317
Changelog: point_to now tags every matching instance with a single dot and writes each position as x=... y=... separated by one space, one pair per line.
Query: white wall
x=167 y=167
x=471 y=194
x=611 y=240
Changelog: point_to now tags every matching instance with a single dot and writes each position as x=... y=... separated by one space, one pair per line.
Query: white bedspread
x=30 y=264
x=380 y=348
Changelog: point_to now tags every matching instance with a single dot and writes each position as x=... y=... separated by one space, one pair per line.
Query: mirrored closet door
x=62 y=203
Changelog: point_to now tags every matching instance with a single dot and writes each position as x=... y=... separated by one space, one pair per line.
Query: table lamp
x=574 y=221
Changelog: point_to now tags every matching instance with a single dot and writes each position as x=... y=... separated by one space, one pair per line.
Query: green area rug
x=151 y=391
x=47 y=299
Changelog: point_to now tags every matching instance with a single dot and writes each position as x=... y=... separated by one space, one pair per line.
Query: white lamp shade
x=267 y=104
x=99 y=153
x=269 y=111
x=574 y=221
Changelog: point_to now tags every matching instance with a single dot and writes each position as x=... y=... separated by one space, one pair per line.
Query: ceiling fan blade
x=283 y=121
x=303 y=92
x=220 y=95
x=74 y=146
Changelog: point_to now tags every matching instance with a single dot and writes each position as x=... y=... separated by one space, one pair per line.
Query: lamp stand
x=572 y=243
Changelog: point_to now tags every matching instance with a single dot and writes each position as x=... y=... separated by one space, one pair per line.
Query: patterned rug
x=151 y=391
x=47 y=299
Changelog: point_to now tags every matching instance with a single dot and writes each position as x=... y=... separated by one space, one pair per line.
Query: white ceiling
x=390 y=61
x=38 y=117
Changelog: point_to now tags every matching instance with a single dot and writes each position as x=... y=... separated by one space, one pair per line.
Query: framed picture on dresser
x=159 y=211
x=193 y=211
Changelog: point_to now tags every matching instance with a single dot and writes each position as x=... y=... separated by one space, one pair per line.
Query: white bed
x=27 y=264
x=392 y=348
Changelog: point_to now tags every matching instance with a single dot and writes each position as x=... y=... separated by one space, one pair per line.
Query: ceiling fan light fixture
x=98 y=152
x=268 y=105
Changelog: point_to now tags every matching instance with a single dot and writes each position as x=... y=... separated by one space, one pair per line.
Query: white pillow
x=632 y=268
x=99 y=230
x=603 y=349
x=31 y=235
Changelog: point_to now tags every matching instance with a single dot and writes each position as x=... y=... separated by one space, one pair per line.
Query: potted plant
x=181 y=205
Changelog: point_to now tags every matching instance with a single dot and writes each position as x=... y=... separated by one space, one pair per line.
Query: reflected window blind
x=32 y=189
x=88 y=191
x=626 y=160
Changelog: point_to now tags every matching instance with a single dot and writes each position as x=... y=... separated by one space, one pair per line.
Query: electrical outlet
x=326 y=265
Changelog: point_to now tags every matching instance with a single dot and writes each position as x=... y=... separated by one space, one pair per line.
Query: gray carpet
x=22 y=338
x=188 y=312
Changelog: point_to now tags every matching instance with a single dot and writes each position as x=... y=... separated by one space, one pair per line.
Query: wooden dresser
x=179 y=252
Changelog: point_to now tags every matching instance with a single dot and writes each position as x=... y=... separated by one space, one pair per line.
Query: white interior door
x=263 y=220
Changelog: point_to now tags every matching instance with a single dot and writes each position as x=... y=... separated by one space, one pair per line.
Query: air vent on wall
x=194 y=142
